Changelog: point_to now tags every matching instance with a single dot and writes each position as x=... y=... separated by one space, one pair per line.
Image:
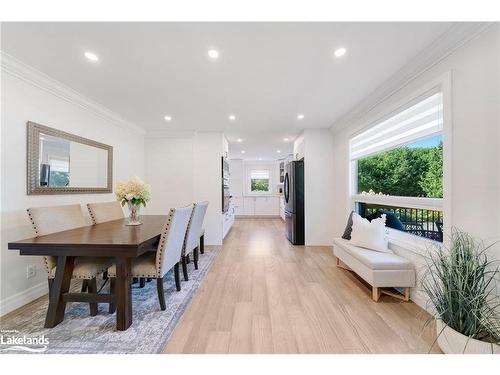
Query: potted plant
x=461 y=283
x=134 y=193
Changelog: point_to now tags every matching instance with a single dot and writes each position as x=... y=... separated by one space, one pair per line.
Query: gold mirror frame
x=33 y=155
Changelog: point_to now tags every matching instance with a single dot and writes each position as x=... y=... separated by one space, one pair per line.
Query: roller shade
x=421 y=120
x=259 y=174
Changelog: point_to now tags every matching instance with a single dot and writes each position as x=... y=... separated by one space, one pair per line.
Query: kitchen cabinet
x=261 y=205
x=248 y=205
x=227 y=220
x=238 y=205
x=282 y=207
x=266 y=206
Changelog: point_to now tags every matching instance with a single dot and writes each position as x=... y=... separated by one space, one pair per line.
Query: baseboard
x=22 y=298
x=420 y=299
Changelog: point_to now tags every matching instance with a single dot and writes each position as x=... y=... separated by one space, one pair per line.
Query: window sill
x=435 y=204
x=415 y=244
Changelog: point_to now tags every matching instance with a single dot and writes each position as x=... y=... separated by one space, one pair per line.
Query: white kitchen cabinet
x=267 y=206
x=227 y=220
x=238 y=205
x=261 y=205
x=248 y=205
x=282 y=207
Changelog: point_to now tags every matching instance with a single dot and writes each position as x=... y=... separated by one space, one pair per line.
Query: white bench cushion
x=378 y=269
x=375 y=260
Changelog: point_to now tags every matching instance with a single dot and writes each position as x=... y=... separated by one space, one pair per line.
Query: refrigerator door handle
x=286 y=188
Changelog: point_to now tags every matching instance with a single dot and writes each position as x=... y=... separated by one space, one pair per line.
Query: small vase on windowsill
x=134 y=216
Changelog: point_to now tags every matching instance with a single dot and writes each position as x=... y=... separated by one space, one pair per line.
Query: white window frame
x=249 y=179
x=444 y=83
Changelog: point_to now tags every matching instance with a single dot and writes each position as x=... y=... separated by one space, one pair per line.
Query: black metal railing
x=420 y=222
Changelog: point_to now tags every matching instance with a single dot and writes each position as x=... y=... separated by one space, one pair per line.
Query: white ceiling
x=266 y=73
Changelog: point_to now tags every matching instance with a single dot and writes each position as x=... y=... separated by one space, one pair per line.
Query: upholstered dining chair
x=105 y=211
x=108 y=211
x=46 y=220
x=193 y=235
x=167 y=256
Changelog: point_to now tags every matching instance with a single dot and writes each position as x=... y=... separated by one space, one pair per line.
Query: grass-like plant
x=461 y=284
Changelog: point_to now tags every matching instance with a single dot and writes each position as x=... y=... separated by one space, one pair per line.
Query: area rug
x=80 y=333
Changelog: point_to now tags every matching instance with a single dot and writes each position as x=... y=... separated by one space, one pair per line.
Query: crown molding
x=16 y=68
x=455 y=37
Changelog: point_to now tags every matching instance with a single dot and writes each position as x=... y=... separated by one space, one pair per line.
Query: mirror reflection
x=65 y=163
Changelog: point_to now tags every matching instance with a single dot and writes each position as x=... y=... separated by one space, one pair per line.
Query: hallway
x=264 y=295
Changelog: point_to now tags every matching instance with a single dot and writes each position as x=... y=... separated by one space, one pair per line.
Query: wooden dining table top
x=112 y=238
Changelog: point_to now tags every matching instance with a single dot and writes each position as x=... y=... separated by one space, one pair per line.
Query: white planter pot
x=453 y=342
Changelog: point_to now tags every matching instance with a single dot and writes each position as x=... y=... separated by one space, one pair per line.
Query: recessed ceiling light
x=91 y=56
x=260 y=158
x=300 y=117
x=285 y=139
x=213 y=53
x=168 y=118
x=232 y=117
x=278 y=151
x=242 y=151
x=239 y=140
x=340 y=52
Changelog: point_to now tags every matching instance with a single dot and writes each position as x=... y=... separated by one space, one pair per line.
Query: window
x=59 y=172
x=259 y=181
x=397 y=168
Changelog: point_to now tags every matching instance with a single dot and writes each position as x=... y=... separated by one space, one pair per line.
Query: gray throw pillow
x=348 y=228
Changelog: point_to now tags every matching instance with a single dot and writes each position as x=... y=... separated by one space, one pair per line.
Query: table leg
x=60 y=285
x=123 y=294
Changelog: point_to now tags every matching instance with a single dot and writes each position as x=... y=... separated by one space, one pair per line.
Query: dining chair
x=109 y=211
x=193 y=235
x=167 y=256
x=46 y=220
x=105 y=211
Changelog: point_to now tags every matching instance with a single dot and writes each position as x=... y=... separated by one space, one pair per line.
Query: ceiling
x=266 y=73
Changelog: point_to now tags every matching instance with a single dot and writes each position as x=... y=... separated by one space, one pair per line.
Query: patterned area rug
x=80 y=333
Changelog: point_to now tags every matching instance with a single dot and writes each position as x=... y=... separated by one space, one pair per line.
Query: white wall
x=23 y=101
x=318 y=185
x=298 y=147
x=475 y=155
x=169 y=171
x=209 y=148
x=184 y=169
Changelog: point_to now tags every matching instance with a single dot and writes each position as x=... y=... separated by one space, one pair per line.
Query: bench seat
x=380 y=270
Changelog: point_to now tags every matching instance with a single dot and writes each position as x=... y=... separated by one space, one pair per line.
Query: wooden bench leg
x=407 y=294
x=375 y=294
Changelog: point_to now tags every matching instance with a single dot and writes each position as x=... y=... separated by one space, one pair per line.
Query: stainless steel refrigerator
x=293 y=191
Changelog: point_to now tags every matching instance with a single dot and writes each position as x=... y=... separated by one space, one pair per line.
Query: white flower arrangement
x=371 y=192
x=134 y=191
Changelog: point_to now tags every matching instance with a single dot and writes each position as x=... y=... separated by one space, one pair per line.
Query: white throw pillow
x=370 y=235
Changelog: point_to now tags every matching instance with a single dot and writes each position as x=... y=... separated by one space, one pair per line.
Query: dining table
x=112 y=239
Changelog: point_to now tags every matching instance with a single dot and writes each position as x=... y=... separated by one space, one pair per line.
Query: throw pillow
x=348 y=228
x=369 y=235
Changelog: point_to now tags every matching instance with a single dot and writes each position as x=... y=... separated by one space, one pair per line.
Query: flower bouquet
x=134 y=193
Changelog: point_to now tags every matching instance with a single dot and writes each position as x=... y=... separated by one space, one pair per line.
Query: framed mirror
x=64 y=163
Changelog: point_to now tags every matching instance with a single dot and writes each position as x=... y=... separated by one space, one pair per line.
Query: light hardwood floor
x=264 y=295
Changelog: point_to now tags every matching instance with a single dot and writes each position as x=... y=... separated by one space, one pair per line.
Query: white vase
x=134 y=214
x=453 y=342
